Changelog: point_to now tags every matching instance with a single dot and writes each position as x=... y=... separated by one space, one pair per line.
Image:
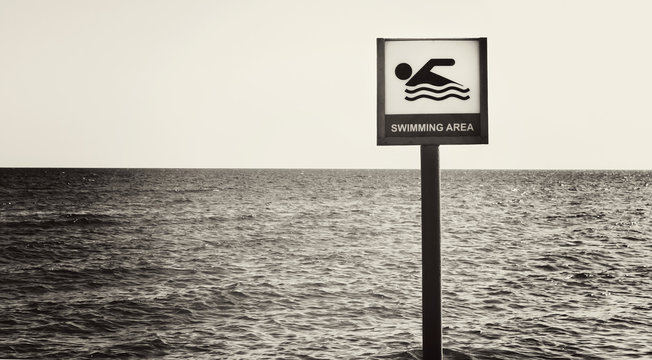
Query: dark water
x=321 y=264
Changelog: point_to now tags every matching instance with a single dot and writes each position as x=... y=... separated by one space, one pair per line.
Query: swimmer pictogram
x=429 y=85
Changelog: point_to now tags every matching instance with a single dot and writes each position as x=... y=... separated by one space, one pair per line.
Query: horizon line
x=314 y=168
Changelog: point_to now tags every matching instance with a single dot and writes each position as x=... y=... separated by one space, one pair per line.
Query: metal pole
x=431 y=253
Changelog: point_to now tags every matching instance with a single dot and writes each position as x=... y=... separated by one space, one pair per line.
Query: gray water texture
x=321 y=264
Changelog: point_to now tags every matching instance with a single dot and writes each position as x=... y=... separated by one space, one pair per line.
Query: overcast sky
x=292 y=84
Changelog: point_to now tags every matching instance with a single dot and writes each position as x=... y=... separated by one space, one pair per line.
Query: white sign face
x=432 y=77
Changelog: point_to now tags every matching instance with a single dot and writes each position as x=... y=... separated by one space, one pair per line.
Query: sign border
x=382 y=139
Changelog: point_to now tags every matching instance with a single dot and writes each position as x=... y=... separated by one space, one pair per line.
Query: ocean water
x=321 y=264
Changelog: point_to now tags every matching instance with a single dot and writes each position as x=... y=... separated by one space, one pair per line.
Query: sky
x=292 y=83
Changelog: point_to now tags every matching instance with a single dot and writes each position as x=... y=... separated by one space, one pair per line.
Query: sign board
x=432 y=91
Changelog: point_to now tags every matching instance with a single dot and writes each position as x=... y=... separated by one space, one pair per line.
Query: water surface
x=321 y=264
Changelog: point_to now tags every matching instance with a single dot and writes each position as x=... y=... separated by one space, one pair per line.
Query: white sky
x=243 y=83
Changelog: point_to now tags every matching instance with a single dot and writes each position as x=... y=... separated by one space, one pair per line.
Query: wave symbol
x=437 y=93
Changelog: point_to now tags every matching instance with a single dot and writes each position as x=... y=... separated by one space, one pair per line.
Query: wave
x=436 y=98
x=142 y=346
x=436 y=90
x=416 y=354
x=64 y=220
x=431 y=92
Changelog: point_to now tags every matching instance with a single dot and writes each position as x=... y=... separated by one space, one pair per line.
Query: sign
x=432 y=91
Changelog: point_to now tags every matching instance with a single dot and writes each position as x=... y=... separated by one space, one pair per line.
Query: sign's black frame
x=384 y=119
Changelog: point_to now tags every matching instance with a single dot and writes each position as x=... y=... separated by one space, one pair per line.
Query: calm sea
x=321 y=264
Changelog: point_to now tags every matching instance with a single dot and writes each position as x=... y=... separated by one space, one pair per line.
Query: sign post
x=431 y=92
x=431 y=252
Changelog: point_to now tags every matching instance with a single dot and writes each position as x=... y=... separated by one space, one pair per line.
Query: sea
x=321 y=264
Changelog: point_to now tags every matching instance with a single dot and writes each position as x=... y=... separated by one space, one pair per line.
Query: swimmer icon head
x=403 y=71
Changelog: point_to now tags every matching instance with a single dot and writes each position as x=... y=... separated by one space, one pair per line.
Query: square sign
x=432 y=91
